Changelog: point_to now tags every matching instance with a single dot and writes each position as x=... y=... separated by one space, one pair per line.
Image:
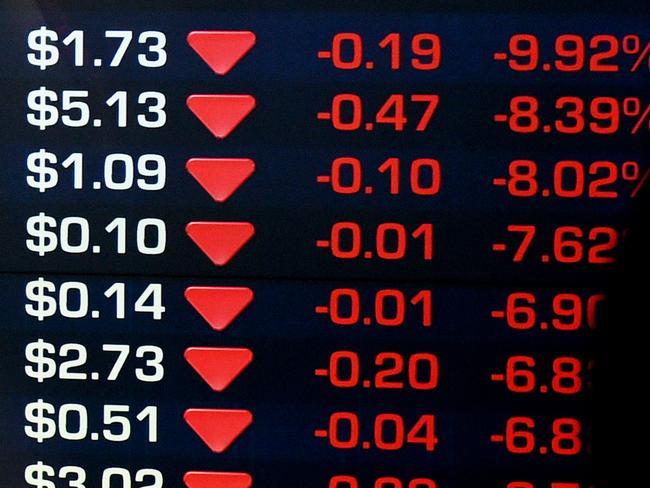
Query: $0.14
x=71 y=300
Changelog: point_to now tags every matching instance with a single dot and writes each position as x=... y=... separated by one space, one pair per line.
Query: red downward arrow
x=219 y=306
x=221 y=113
x=221 y=50
x=218 y=366
x=218 y=428
x=198 y=479
x=220 y=177
x=220 y=241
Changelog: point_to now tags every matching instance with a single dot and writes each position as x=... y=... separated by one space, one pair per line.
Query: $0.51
x=70 y=422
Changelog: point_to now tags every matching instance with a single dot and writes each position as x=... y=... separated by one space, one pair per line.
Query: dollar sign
x=39 y=163
x=45 y=240
x=35 y=474
x=45 y=305
x=36 y=352
x=46 y=54
x=36 y=413
x=39 y=101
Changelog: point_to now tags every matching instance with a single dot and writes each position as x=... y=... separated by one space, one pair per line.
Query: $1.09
x=120 y=171
x=42 y=475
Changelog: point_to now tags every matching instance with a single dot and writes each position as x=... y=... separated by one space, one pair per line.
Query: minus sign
x=324 y=54
x=499 y=182
x=321 y=372
x=323 y=179
x=500 y=118
x=322 y=243
x=498 y=247
x=324 y=115
x=500 y=56
x=320 y=433
x=498 y=314
x=496 y=438
x=322 y=309
x=497 y=377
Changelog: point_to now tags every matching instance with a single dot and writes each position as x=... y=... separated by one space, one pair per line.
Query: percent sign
x=632 y=47
x=631 y=171
x=633 y=109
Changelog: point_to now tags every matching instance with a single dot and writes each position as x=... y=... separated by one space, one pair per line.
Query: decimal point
x=366 y=383
x=94 y=376
x=97 y=123
x=367 y=321
x=94 y=436
x=543 y=389
x=543 y=450
x=365 y=445
x=546 y=67
x=370 y=65
x=543 y=326
x=370 y=126
x=546 y=192
x=94 y=314
x=545 y=258
x=96 y=249
x=547 y=129
x=97 y=62
x=367 y=255
x=368 y=190
x=96 y=185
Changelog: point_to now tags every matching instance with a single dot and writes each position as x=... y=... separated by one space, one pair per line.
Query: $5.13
x=70 y=107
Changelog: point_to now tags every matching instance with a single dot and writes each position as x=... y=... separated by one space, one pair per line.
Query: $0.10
x=72 y=235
